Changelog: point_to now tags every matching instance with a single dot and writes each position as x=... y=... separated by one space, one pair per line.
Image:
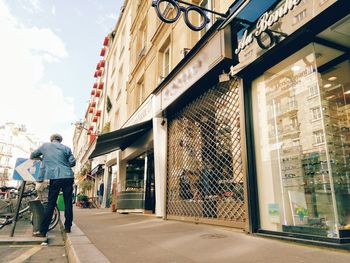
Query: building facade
x=15 y=142
x=242 y=124
x=292 y=68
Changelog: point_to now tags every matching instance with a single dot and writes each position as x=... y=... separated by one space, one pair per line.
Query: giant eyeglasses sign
x=165 y=7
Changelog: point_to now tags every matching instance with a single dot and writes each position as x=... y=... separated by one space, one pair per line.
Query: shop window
x=303 y=173
x=135 y=175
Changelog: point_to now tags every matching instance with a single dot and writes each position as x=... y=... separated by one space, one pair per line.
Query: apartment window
x=141 y=92
x=313 y=90
x=122 y=42
x=116 y=120
x=142 y=40
x=299 y=17
x=276 y=107
x=292 y=102
x=207 y=4
x=294 y=122
x=112 y=64
x=120 y=78
x=319 y=137
x=166 y=62
x=316 y=113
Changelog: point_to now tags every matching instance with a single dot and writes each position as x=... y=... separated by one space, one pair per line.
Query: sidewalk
x=102 y=236
x=22 y=247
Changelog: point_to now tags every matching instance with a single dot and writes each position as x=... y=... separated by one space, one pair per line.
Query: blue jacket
x=57 y=160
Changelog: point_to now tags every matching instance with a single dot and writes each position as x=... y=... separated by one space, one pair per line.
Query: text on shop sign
x=267 y=20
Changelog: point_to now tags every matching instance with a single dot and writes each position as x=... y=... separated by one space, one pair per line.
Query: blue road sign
x=26 y=170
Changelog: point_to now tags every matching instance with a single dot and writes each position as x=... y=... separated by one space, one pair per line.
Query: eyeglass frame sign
x=186 y=10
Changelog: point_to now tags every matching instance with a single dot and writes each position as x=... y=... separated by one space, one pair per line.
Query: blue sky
x=49 y=53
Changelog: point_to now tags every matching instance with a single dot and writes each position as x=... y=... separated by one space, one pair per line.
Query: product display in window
x=134 y=181
x=307 y=147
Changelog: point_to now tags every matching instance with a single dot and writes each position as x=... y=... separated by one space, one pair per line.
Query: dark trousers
x=66 y=185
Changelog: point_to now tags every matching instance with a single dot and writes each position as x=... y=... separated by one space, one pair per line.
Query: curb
x=79 y=248
x=22 y=240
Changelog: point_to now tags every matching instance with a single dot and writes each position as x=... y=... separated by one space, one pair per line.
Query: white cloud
x=53 y=10
x=112 y=16
x=32 y=6
x=25 y=52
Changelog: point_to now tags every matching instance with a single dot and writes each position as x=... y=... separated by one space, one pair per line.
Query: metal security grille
x=205 y=180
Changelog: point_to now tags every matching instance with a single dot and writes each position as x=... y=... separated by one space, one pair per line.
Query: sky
x=48 y=55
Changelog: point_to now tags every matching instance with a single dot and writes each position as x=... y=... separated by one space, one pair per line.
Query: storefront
x=130 y=177
x=294 y=64
x=205 y=179
x=137 y=192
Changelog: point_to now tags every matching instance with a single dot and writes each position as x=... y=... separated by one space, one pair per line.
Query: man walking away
x=57 y=160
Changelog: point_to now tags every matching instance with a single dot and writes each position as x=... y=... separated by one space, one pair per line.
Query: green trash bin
x=60 y=202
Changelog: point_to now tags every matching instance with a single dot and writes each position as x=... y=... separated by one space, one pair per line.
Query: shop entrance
x=205 y=180
x=139 y=192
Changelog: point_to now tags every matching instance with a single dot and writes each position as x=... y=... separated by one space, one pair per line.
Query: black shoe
x=67 y=230
x=39 y=234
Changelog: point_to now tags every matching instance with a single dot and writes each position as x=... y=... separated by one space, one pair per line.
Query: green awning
x=119 y=139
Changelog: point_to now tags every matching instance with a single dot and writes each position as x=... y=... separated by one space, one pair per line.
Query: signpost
x=26 y=170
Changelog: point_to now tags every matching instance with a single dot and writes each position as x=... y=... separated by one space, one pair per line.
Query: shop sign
x=265 y=22
x=144 y=113
x=209 y=56
x=185 y=78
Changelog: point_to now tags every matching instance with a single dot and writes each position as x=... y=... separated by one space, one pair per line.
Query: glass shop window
x=303 y=174
x=135 y=173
